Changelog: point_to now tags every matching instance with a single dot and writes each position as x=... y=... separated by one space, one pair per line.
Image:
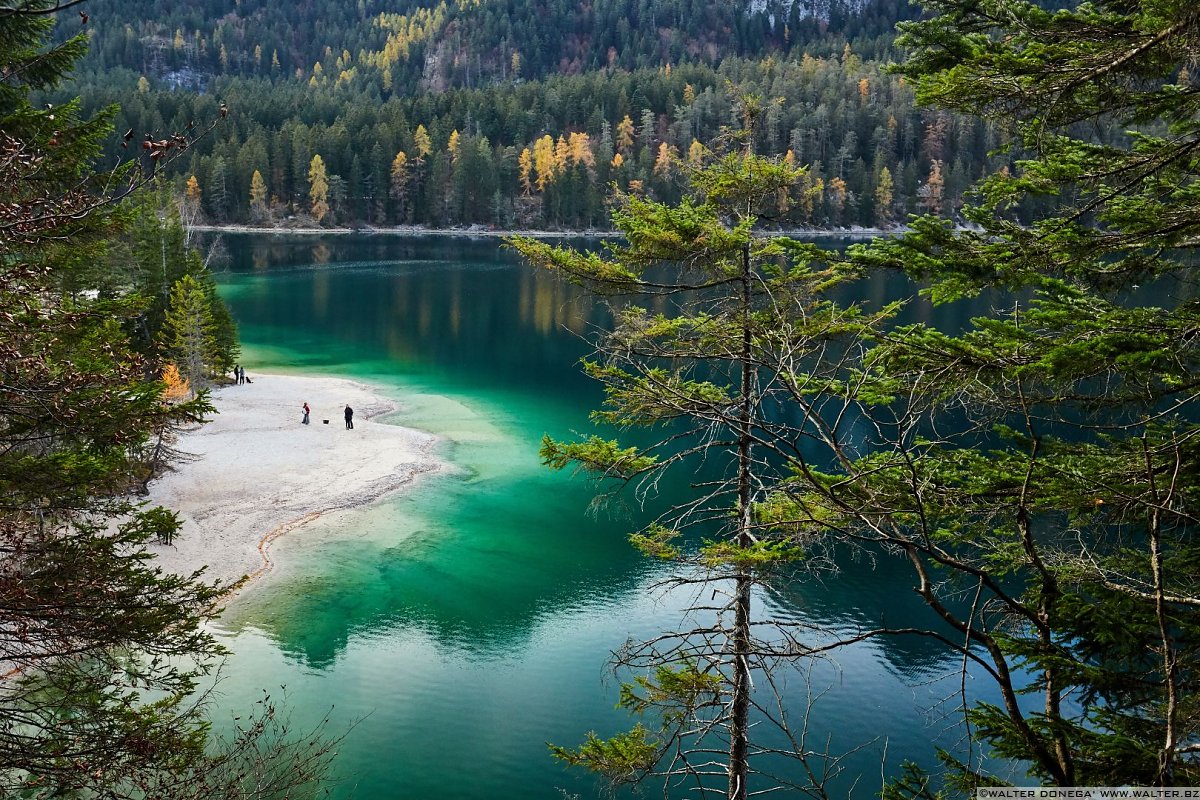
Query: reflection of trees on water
x=485 y=325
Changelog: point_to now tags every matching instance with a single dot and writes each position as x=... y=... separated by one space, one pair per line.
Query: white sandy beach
x=257 y=473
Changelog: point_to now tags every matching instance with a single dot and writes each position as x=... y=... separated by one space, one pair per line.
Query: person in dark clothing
x=306 y=410
x=349 y=418
x=236 y=373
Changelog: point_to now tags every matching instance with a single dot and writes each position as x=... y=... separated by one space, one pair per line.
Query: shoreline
x=254 y=473
x=489 y=233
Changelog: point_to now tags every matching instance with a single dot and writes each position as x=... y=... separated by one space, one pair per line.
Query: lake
x=456 y=628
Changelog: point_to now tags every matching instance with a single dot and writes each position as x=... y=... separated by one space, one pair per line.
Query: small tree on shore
x=189 y=333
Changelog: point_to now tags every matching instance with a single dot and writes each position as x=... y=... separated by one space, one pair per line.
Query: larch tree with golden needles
x=258 y=196
x=422 y=143
x=884 y=197
x=625 y=134
x=543 y=161
x=525 y=171
x=398 y=183
x=318 y=188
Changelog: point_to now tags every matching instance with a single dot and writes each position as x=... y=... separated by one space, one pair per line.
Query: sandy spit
x=255 y=472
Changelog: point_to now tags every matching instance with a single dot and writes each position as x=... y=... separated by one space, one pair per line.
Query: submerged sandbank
x=255 y=472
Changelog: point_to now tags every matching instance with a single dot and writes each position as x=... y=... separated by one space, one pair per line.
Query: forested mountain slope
x=470 y=42
x=516 y=113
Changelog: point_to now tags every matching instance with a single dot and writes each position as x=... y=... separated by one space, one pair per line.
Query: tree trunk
x=739 y=723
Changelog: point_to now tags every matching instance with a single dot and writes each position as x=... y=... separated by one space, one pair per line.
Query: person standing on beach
x=306 y=410
x=349 y=417
x=236 y=372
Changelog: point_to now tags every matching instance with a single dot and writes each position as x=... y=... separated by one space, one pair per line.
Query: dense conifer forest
x=520 y=114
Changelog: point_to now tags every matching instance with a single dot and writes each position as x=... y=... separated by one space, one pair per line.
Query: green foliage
x=758 y=556
x=658 y=541
x=624 y=758
x=400 y=45
x=675 y=695
x=679 y=690
x=151 y=257
x=657 y=396
x=1039 y=458
x=912 y=784
x=584 y=269
x=1041 y=454
x=604 y=457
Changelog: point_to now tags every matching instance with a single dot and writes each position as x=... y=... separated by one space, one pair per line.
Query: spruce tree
x=189 y=333
x=1042 y=459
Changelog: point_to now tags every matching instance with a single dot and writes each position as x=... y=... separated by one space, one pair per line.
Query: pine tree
x=1038 y=456
x=218 y=189
x=739 y=302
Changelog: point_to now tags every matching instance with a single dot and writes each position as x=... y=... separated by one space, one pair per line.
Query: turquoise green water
x=458 y=626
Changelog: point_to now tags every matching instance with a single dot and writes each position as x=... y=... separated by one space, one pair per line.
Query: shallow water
x=457 y=627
